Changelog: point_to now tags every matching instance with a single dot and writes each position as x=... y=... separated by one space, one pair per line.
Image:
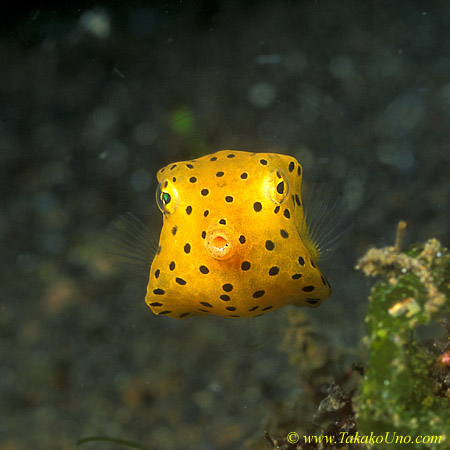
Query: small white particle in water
x=52 y=242
x=114 y=156
x=268 y=59
x=214 y=386
x=341 y=67
x=310 y=99
x=397 y=156
x=27 y=262
x=97 y=23
x=118 y=72
x=261 y=94
x=144 y=133
x=295 y=62
x=354 y=192
x=45 y=203
x=306 y=156
x=140 y=180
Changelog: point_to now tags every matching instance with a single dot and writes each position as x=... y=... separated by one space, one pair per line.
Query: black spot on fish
x=208 y=305
x=258 y=294
x=291 y=166
x=270 y=245
x=274 y=270
x=312 y=301
x=227 y=287
x=204 y=269
x=245 y=265
x=308 y=288
x=158 y=291
x=284 y=234
x=257 y=206
x=187 y=248
x=180 y=281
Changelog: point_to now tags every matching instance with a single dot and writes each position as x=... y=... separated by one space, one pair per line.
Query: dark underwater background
x=96 y=97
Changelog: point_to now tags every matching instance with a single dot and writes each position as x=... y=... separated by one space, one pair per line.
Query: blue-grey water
x=95 y=99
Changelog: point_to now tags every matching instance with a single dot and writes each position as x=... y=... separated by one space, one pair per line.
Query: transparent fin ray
x=326 y=219
x=130 y=243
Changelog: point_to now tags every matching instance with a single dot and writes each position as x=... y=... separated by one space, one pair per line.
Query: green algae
x=400 y=392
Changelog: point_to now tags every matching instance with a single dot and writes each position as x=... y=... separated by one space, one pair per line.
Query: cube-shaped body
x=234 y=241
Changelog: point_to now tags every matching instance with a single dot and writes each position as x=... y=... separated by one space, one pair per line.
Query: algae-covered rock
x=403 y=397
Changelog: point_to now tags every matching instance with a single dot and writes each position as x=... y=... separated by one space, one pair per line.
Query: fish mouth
x=219 y=243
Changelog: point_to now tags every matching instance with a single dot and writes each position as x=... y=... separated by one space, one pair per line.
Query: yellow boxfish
x=234 y=241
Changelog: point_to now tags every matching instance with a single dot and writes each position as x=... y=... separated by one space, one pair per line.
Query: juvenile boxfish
x=234 y=240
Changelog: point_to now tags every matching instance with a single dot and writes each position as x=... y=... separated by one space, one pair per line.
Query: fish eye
x=165 y=197
x=277 y=186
